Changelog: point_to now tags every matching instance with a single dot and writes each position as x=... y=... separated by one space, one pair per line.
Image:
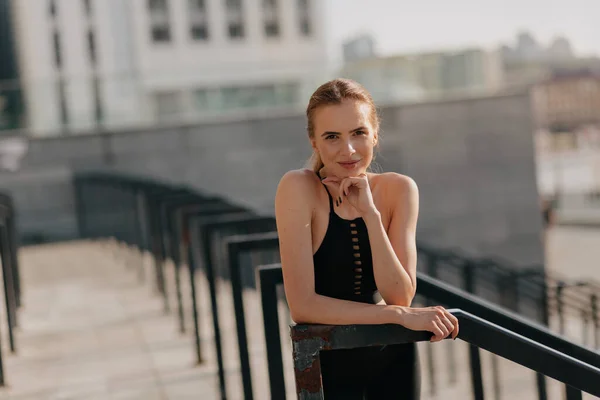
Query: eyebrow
x=360 y=128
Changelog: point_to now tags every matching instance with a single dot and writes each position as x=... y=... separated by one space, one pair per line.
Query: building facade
x=420 y=76
x=11 y=110
x=107 y=64
x=567 y=102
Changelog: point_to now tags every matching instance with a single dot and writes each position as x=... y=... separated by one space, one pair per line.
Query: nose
x=348 y=147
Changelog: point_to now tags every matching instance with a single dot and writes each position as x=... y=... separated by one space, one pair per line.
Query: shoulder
x=395 y=184
x=400 y=195
x=297 y=187
x=297 y=180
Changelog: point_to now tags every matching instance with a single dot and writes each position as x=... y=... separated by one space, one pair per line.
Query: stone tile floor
x=91 y=329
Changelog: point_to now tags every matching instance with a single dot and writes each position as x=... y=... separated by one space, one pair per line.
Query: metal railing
x=9 y=258
x=494 y=329
x=218 y=240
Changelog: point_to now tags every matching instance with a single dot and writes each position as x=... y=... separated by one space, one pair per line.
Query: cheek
x=327 y=151
x=365 y=147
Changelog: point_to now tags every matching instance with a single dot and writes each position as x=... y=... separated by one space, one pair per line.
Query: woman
x=348 y=253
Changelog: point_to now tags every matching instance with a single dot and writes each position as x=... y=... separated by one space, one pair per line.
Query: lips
x=348 y=164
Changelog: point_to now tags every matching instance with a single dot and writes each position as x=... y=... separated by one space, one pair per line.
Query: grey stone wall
x=473 y=160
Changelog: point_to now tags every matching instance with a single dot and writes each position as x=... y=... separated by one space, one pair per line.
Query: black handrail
x=309 y=340
x=556 y=349
x=529 y=353
x=537 y=278
x=449 y=295
x=535 y=284
x=175 y=218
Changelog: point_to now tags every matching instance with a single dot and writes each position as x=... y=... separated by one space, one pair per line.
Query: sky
x=416 y=25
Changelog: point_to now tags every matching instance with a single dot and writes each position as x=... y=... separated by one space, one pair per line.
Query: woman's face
x=344 y=138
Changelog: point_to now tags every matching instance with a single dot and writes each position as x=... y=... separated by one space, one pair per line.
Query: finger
x=359 y=183
x=344 y=186
x=442 y=324
x=331 y=179
x=361 y=180
x=455 y=322
x=438 y=334
x=332 y=183
x=449 y=324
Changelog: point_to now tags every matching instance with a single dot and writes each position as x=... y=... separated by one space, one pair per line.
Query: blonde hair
x=334 y=92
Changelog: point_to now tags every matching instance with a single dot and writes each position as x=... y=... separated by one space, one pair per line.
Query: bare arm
x=395 y=254
x=293 y=210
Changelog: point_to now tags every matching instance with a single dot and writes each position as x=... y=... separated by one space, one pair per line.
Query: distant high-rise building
x=527 y=47
x=120 y=63
x=424 y=75
x=529 y=62
x=359 y=48
x=567 y=100
x=560 y=49
x=10 y=84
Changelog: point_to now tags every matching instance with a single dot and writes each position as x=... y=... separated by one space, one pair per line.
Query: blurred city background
x=492 y=107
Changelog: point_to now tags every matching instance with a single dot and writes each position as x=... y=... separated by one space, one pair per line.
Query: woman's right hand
x=432 y=319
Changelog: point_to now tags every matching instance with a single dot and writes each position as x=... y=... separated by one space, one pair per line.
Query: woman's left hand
x=355 y=190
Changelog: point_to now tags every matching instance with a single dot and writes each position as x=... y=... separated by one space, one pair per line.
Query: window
x=233 y=4
x=168 y=105
x=157 y=5
x=161 y=34
x=199 y=32
x=92 y=47
x=304 y=17
x=248 y=96
x=305 y=27
x=271 y=29
x=201 y=99
x=159 y=20
x=235 y=18
x=198 y=4
x=98 y=112
x=198 y=20
x=62 y=101
x=236 y=30
x=87 y=6
x=271 y=20
x=57 y=55
x=288 y=93
x=52 y=8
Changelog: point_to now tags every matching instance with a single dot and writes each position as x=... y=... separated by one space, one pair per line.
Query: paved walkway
x=89 y=329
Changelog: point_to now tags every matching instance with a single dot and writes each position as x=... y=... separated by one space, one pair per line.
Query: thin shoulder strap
x=328 y=194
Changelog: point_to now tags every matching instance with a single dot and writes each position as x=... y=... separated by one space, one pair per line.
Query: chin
x=344 y=173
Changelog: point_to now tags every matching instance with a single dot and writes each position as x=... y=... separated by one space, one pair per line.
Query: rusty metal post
x=307 y=365
x=594 y=306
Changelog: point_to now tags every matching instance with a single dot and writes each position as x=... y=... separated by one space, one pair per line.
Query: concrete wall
x=472 y=159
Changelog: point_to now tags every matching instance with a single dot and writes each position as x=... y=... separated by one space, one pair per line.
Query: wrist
x=372 y=216
x=397 y=315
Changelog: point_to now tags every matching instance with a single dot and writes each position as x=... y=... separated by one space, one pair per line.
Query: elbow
x=301 y=312
x=403 y=298
x=297 y=315
x=402 y=301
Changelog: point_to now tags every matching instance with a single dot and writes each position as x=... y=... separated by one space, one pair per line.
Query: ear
x=313 y=144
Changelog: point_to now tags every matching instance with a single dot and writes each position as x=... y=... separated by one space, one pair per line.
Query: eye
x=360 y=132
x=329 y=137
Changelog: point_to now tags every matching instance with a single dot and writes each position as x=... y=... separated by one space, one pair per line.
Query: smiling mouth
x=348 y=164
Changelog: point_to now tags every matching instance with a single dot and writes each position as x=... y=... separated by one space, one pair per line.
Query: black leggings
x=372 y=373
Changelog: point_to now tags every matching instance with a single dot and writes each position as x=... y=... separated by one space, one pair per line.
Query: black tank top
x=343 y=262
